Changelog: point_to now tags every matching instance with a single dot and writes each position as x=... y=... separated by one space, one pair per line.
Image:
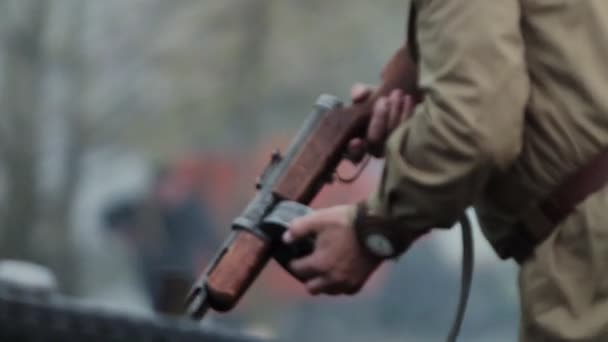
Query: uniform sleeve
x=473 y=78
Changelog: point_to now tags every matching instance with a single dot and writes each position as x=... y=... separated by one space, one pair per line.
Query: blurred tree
x=35 y=217
x=69 y=57
x=245 y=81
x=23 y=59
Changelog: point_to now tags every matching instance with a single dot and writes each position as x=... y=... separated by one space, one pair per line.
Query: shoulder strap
x=466 y=276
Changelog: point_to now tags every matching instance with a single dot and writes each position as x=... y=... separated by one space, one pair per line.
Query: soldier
x=514 y=112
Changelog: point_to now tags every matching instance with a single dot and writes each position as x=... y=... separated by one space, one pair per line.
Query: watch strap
x=369 y=226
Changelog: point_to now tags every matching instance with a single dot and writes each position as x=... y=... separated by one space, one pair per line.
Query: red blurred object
x=213 y=177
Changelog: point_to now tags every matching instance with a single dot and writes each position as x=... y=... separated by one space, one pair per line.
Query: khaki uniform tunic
x=515 y=99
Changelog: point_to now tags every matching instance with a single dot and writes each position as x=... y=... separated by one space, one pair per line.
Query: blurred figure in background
x=169 y=230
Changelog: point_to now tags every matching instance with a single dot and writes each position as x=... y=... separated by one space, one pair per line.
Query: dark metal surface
x=197 y=303
x=63 y=320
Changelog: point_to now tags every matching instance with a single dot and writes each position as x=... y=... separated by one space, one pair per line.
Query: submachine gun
x=289 y=183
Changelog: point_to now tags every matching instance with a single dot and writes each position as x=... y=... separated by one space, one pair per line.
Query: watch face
x=379 y=245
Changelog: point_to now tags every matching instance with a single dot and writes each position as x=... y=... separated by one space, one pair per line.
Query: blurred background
x=132 y=131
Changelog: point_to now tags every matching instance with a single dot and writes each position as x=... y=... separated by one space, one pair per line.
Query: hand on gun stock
x=388 y=113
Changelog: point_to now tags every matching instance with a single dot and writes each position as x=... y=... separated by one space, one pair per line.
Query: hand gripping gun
x=289 y=182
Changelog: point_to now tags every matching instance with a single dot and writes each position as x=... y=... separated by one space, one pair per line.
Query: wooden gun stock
x=243 y=260
x=245 y=254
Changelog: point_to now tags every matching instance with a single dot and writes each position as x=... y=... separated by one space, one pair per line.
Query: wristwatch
x=383 y=237
x=379 y=245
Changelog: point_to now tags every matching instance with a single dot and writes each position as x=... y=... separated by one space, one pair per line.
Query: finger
x=360 y=92
x=356 y=150
x=325 y=285
x=408 y=107
x=306 y=225
x=395 y=109
x=353 y=290
x=317 y=285
x=308 y=267
x=378 y=124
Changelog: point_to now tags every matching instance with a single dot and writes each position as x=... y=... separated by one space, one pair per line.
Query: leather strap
x=576 y=189
x=366 y=224
x=539 y=223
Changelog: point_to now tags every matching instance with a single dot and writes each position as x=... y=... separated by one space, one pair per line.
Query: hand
x=338 y=264
x=387 y=114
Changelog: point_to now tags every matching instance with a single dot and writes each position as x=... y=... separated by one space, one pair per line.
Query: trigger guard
x=277 y=222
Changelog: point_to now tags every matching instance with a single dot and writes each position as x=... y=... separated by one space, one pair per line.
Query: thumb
x=302 y=227
x=318 y=220
x=360 y=92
